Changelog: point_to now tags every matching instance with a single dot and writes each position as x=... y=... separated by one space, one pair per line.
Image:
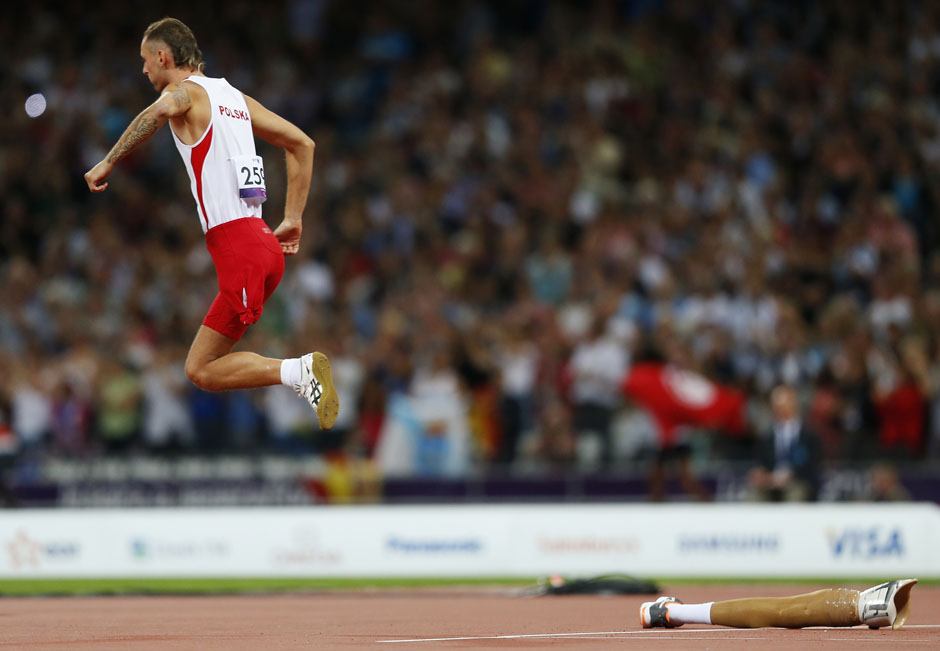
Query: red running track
x=388 y=620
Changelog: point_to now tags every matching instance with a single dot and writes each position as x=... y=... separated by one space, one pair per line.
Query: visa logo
x=871 y=542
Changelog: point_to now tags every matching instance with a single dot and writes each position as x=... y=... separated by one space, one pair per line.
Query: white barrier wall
x=740 y=540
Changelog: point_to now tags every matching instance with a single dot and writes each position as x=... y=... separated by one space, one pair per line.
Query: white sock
x=691 y=613
x=290 y=372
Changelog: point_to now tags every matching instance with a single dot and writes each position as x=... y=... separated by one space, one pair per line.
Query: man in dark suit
x=789 y=457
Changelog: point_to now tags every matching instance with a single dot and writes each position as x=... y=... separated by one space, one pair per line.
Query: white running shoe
x=655 y=614
x=316 y=387
x=887 y=604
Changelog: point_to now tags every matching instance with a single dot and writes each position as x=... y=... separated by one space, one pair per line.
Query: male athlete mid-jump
x=213 y=126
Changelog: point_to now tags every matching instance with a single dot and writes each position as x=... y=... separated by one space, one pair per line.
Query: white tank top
x=210 y=161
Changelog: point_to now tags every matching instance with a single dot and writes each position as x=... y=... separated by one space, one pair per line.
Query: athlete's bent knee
x=200 y=376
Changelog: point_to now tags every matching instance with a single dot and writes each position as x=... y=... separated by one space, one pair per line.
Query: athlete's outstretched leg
x=887 y=604
x=212 y=366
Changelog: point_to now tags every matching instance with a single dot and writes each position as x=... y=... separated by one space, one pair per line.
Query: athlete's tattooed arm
x=174 y=101
x=143 y=126
x=180 y=96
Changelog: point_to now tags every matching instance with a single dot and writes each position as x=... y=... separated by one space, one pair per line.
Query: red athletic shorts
x=249 y=263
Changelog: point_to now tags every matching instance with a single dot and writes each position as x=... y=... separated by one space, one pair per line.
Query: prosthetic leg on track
x=887 y=604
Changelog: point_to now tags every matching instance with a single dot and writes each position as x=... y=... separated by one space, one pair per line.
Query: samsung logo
x=731 y=543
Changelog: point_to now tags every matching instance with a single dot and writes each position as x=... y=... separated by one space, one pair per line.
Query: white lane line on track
x=855 y=639
x=502 y=637
x=646 y=633
x=710 y=638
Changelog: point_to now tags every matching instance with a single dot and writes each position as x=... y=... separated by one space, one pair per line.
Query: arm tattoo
x=140 y=129
x=181 y=97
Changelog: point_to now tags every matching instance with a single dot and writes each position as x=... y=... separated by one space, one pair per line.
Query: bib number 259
x=250 y=175
x=253 y=176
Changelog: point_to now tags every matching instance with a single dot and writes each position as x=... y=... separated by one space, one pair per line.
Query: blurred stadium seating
x=746 y=190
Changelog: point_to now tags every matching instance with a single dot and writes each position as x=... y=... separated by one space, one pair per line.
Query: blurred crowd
x=512 y=202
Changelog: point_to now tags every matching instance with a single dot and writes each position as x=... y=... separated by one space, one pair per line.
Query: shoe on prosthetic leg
x=887 y=604
x=655 y=614
x=316 y=387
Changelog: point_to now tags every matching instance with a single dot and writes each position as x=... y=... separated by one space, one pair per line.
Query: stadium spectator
x=167 y=423
x=597 y=366
x=552 y=445
x=349 y=376
x=119 y=408
x=518 y=360
x=885 y=485
x=71 y=416
x=9 y=447
x=789 y=456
